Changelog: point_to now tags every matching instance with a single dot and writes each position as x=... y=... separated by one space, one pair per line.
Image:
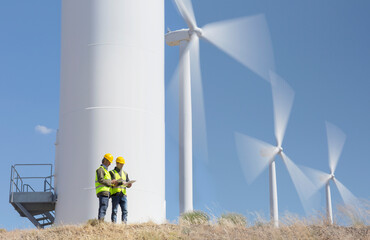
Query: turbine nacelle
x=328 y=177
x=332 y=176
x=174 y=38
x=279 y=149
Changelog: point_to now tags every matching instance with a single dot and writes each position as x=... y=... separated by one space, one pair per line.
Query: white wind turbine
x=256 y=155
x=336 y=139
x=245 y=39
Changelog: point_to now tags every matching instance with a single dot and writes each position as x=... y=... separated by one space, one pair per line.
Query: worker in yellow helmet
x=103 y=183
x=118 y=192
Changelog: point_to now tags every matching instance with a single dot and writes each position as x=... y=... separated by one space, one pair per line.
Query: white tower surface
x=111 y=101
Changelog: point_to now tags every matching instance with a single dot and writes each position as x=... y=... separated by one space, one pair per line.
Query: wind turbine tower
x=182 y=38
x=245 y=39
x=256 y=155
x=111 y=101
x=336 y=139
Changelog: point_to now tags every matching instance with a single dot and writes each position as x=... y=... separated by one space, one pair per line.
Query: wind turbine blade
x=303 y=185
x=336 y=139
x=347 y=196
x=199 y=117
x=199 y=133
x=282 y=96
x=254 y=155
x=318 y=178
x=172 y=107
x=246 y=39
x=186 y=10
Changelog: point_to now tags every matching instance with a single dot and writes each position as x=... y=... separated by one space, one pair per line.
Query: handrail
x=36 y=164
x=28 y=187
x=17 y=183
x=17 y=178
x=48 y=183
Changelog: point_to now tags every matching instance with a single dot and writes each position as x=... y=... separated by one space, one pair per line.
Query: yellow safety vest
x=119 y=188
x=98 y=186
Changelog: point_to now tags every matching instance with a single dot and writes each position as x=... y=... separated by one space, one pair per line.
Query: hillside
x=94 y=230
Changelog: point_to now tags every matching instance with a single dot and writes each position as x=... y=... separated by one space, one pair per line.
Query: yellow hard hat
x=120 y=160
x=109 y=157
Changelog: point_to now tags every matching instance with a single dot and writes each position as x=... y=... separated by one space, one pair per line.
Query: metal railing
x=27 y=186
x=19 y=184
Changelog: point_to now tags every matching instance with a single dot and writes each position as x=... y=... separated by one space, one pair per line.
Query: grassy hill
x=201 y=231
x=198 y=226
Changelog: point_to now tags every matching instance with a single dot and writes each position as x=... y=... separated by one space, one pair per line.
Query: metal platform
x=37 y=205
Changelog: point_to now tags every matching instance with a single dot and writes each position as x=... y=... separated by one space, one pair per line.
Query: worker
x=103 y=183
x=118 y=192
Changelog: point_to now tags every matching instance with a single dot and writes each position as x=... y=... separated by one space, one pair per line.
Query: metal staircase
x=37 y=205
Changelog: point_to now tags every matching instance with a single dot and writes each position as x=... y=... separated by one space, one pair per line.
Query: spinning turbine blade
x=172 y=106
x=336 y=139
x=319 y=178
x=347 y=196
x=303 y=185
x=246 y=39
x=200 y=147
x=186 y=10
x=282 y=96
x=254 y=155
x=199 y=118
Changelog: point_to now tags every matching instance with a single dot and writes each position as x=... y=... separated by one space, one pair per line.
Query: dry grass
x=153 y=231
x=194 y=218
x=357 y=214
x=198 y=226
x=232 y=219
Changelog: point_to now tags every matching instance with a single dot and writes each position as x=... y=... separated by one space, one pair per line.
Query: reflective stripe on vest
x=119 y=188
x=98 y=186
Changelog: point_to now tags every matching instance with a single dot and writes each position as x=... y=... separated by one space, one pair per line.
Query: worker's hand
x=129 y=185
x=114 y=182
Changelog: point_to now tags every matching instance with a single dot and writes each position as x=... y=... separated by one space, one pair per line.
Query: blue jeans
x=103 y=205
x=119 y=199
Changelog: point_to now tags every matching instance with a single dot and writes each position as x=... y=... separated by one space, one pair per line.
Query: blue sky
x=321 y=49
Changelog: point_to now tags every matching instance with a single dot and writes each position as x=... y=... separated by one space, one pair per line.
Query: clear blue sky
x=321 y=48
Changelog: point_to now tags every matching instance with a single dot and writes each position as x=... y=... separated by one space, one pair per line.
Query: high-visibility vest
x=119 y=188
x=98 y=186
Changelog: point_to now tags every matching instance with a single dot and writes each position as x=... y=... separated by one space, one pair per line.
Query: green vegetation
x=195 y=217
x=234 y=219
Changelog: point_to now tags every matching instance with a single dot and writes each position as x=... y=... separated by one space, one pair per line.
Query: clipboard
x=130 y=182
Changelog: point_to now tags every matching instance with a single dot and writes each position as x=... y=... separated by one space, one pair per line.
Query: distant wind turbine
x=336 y=139
x=256 y=155
x=245 y=39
